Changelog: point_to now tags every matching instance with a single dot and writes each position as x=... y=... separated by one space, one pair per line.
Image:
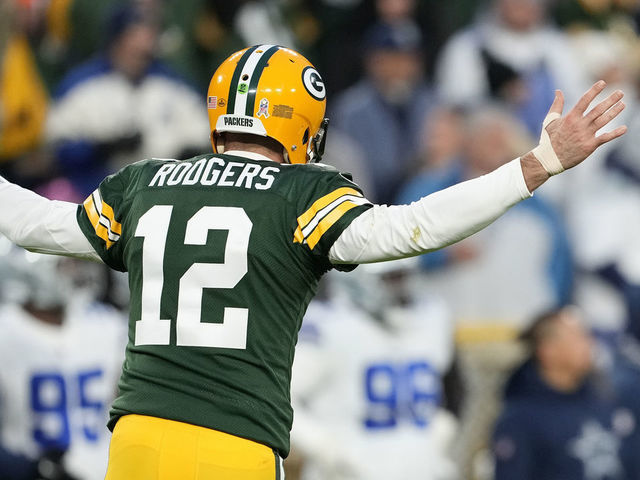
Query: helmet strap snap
x=317 y=143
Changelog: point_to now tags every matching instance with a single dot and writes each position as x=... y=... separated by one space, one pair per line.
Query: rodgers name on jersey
x=215 y=171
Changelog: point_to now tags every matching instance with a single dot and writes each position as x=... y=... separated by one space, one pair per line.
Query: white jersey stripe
x=326 y=210
x=97 y=200
x=104 y=220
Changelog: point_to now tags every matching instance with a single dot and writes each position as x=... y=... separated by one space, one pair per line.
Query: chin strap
x=315 y=150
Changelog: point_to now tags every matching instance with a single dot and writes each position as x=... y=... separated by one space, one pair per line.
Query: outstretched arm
x=41 y=225
x=445 y=217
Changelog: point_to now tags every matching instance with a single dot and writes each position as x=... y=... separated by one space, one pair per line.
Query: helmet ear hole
x=305 y=137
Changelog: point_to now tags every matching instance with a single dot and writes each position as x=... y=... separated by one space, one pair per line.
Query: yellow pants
x=150 y=448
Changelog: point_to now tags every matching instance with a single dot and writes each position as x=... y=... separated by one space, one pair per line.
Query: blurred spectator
x=337 y=52
x=363 y=405
x=601 y=201
x=384 y=112
x=23 y=96
x=395 y=11
x=480 y=286
x=626 y=379
x=345 y=154
x=61 y=354
x=67 y=32
x=439 y=165
x=437 y=20
x=598 y=14
x=343 y=22
x=262 y=22
x=610 y=251
x=123 y=106
x=398 y=12
x=513 y=54
x=199 y=35
x=280 y=22
x=557 y=422
x=477 y=278
x=605 y=221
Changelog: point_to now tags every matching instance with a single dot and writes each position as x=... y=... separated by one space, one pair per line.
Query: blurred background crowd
x=509 y=355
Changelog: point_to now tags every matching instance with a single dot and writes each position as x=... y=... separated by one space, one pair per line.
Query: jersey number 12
x=153 y=226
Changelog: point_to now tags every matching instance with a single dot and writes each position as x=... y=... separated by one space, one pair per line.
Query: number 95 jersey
x=224 y=253
x=56 y=384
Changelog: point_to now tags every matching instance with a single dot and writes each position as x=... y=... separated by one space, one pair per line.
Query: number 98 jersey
x=224 y=253
x=369 y=391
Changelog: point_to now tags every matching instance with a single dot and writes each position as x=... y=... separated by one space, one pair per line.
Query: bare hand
x=573 y=136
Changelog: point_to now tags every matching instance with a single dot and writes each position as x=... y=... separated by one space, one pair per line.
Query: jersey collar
x=251 y=155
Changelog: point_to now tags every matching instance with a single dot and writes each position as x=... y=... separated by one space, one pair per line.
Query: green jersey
x=224 y=254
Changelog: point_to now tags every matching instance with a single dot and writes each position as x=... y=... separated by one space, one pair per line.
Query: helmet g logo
x=313 y=83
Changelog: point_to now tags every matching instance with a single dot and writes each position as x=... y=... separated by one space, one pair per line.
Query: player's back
x=223 y=253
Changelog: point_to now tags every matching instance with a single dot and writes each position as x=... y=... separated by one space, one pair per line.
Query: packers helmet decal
x=271 y=91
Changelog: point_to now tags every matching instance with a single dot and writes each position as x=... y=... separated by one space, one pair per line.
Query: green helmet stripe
x=233 y=88
x=255 y=78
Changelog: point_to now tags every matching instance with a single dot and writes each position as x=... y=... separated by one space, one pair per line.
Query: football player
x=367 y=379
x=61 y=354
x=225 y=250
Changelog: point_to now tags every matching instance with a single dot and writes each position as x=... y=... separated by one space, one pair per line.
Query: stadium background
x=580 y=248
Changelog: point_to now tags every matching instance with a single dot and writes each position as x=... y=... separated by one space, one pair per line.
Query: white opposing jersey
x=367 y=396
x=57 y=383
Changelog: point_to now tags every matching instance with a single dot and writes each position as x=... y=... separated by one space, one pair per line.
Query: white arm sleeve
x=435 y=221
x=41 y=225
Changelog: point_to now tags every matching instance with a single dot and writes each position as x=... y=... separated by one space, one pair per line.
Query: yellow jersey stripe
x=322 y=202
x=92 y=212
x=326 y=223
x=103 y=233
x=114 y=226
x=326 y=210
x=107 y=217
x=308 y=221
x=94 y=218
x=102 y=218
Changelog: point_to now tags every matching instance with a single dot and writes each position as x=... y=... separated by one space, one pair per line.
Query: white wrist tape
x=544 y=151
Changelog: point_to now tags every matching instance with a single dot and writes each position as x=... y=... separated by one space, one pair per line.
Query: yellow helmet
x=274 y=92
